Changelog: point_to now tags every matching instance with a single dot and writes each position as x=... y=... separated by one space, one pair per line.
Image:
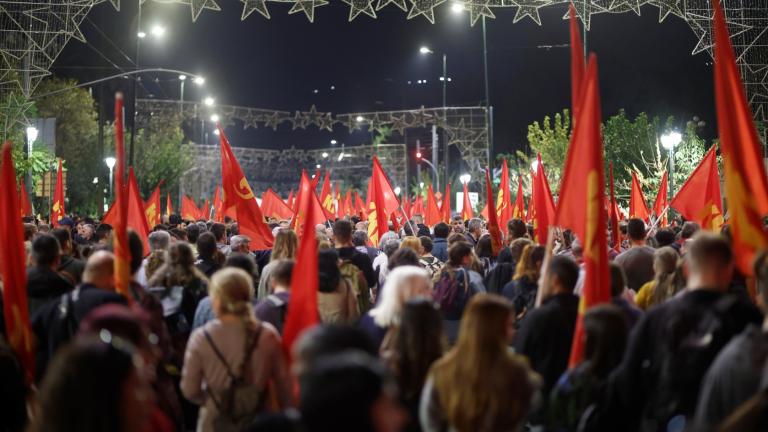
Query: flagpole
x=408 y=220
x=655 y=221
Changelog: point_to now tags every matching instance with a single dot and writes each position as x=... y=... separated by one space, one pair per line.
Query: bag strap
x=219 y=354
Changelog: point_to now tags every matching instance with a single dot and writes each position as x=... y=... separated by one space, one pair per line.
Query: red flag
x=493 y=220
x=136 y=218
x=168 y=205
x=306 y=196
x=120 y=227
x=360 y=206
x=13 y=269
x=57 y=209
x=238 y=193
x=519 y=211
x=445 y=206
x=290 y=201
x=662 y=201
x=206 y=210
x=746 y=186
x=504 y=208
x=613 y=211
x=339 y=202
x=303 y=313
x=418 y=206
x=382 y=202
x=433 y=216
x=315 y=180
x=347 y=207
x=189 y=210
x=543 y=204
x=582 y=200
x=24 y=204
x=699 y=198
x=395 y=222
x=152 y=207
x=637 y=206
x=407 y=207
x=466 y=207
x=577 y=61
x=326 y=197
x=273 y=206
x=218 y=205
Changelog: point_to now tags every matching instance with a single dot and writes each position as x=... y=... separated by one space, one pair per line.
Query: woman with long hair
x=336 y=299
x=479 y=385
x=403 y=283
x=286 y=245
x=484 y=252
x=233 y=347
x=521 y=291
x=416 y=344
x=663 y=285
x=455 y=285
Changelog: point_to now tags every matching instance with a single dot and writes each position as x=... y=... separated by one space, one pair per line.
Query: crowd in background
x=428 y=330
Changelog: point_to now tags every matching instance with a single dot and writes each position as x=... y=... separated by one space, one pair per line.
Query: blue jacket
x=440 y=249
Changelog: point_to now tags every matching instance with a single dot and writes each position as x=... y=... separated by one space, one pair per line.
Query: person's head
x=403 y=257
x=193 y=232
x=460 y=254
x=130 y=324
x=390 y=246
x=206 y=245
x=219 y=231
x=456 y=238
x=326 y=340
x=426 y=245
x=636 y=230
x=360 y=238
x=242 y=261
x=403 y=283
x=562 y=274
x=65 y=239
x=517 y=246
x=46 y=251
x=231 y=291
x=100 y=270
x=442 y=230
x=475 y=227
x=618 y=279
x=688 y=230
x=286 y=244
x=342 y=233
x=387 y=236
x=87 y=231
x=350 y=392
x=411 y=242
x=159 y=241
x=761 y=279
x=710 y=262
x=136 y=247
x=280 y=276
x=484 y=248
x=605 y=337
x=180 y=255
x=240 y=244
x=517 y=229
x=419 y=342
x=30 y=230
x=457 y=225
x=178 y=234
x=328 y=270
x=95 y=384
x=664 y=237
x=529 y=265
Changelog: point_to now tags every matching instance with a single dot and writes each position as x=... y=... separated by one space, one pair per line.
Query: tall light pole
x=444 y=78
x=31 y=136
x=434 y=170
x=669 y=141
x=110 y=161
x=182 y=80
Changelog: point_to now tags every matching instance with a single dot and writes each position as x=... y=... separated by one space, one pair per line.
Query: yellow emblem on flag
x=243 y=185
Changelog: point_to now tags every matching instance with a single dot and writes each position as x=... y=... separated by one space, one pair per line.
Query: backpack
x=432 y=265
x=355 y=279
x=452 y=293
x=241 y=402
x=277 y=303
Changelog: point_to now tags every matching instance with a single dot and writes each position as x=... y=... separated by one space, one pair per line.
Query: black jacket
x=361 y=260
x=43 y=285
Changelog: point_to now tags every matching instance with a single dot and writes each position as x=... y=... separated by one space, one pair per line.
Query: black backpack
x=277 y=303
x=452 y=293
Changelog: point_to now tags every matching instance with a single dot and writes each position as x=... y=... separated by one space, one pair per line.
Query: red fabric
x=339 y=202
x=662 y=200
x=433 y=215
x=238 y=193
x=326 y=197
x=306 y=196
x=189 y=210
x=360 y=206
x=13 y=269
x=382 y=202
x=544 y=205
x=746 y=186
x=303 y=313
x=315 y=180
x=168 y=204
x=206 y=210
x=273 y=206
x=504 y=208
x=57 y=208
x=581 y=206
x=577 y=62
x=493 y=220
x=466 y=207
x=519 y=211
x=25 y=205
x=637 y=206
x=699 y=198
x=407 y=207
x=445 y=206
x=137 y=218
x=290 y=201
x=613 y=211
x=152 y=207
x=120 y=227
x=218 y=205
x=418 y=206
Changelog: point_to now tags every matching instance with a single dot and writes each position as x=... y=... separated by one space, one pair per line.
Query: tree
x=550 y=139
x=158 y=154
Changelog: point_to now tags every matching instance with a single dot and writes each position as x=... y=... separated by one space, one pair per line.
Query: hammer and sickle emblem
x=244 y=186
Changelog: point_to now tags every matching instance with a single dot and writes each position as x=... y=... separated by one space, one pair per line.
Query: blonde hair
x=395 y=292
x=233 y=287
x=286 y=244
x=412 y=242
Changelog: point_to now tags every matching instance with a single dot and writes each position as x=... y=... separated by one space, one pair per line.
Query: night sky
x=279 y=63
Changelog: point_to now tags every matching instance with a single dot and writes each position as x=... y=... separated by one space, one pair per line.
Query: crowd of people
x=428 y=330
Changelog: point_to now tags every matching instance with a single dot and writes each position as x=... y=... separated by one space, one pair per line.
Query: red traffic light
x=418 y=155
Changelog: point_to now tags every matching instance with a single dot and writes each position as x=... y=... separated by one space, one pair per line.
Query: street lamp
x=359 y=119
x=158 y=31
x=325 y=155
x=535 y=166
x=669 y=141
x=465 y=178
x=437 y=176
x=110 y=161
x=209 y=101
x=397 y=190
x=333 y=142
x=199 y=80
x=457 y=8
x=32 y=133
x=425 y=50
x=214 y=118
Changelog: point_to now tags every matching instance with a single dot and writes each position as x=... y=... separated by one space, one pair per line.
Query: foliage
x=158 y=156
x=550 y=139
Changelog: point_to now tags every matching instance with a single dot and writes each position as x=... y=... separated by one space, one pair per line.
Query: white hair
x=394 y=295
x=389 y=235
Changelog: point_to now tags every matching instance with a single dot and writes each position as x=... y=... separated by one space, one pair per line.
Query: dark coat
x=43 y=285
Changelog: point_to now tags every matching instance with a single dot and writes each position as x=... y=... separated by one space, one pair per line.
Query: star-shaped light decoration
x=273 y=120
x=312 y=117
x=398 y=123
x=399 y=3
x=299 y=121
x=356 y=7
x=529 y=8
x=14 y=111
x=326 y=122
x=197 y=6
x=424 y=7
x=249 y=6
x=619 y=6
x=701 y=25
x=585 y=9
x=308 y=7
x=667 y=7
x=477 y=9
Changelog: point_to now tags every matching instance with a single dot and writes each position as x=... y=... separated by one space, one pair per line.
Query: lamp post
x=110 y=161
x=31 y=136
x=669 y=141
x=434 y=170
x=465 y=179
x=425 y=50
